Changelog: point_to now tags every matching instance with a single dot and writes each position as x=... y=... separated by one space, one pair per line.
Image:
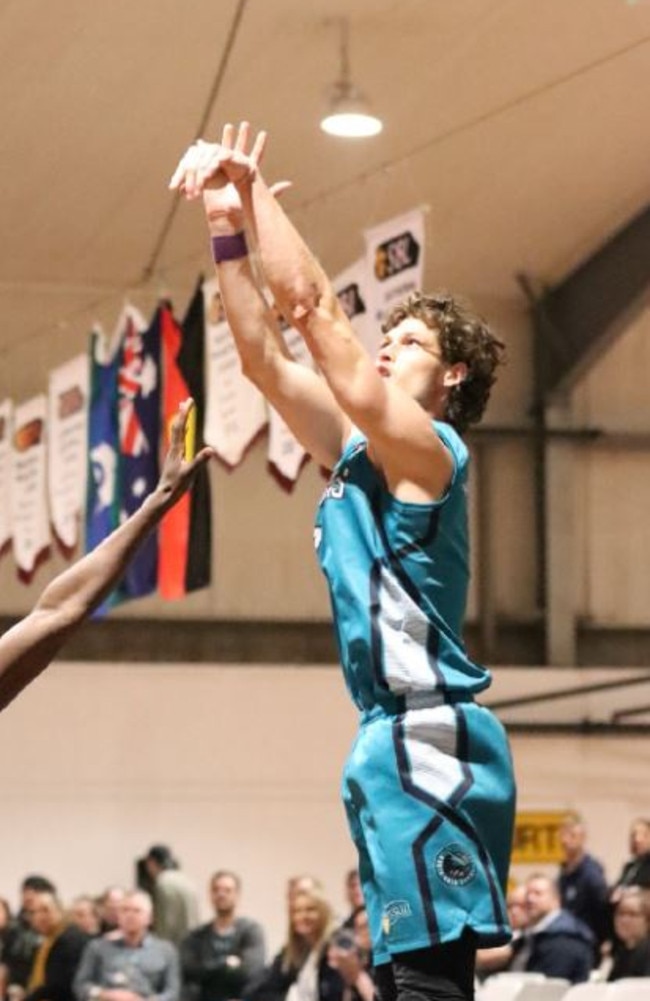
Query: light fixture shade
x=351 y=122
x=349 y=114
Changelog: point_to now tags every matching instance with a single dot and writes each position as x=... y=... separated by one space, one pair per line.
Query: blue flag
x=102 y=498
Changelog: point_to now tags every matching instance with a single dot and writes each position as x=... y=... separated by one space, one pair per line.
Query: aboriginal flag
x=185 y=538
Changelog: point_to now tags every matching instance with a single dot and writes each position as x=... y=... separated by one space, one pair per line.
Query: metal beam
x=578 y=319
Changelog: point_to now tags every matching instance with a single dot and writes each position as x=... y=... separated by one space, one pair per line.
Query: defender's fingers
x=177 y=430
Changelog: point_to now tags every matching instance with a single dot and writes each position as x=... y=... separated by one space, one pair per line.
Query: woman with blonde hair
x=300 y=971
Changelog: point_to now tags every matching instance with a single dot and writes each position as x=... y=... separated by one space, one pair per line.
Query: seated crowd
x=576 y=926
x=128 y=945
x=147 y=943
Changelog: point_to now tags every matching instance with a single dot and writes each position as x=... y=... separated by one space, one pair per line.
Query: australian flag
x=138 y=393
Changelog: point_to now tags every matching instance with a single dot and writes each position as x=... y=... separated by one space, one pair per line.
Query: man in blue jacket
x=555 y=943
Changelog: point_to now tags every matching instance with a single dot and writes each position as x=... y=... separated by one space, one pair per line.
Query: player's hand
x=178 y=471
x=219 y=171
x=216 y=164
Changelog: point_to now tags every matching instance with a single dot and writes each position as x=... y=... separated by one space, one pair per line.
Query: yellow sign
x=536 y=837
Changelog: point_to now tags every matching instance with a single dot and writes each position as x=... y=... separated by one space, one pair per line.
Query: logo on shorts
x=394 y=912
x=454 y=866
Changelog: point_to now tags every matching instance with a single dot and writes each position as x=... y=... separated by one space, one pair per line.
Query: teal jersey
x=398 y=575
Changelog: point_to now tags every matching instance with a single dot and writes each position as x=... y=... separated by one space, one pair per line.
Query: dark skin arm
x=29 y=646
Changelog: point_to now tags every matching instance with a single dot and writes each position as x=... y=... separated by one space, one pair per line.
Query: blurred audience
x=219 y=959
x=131 y=964
x=109 y=908
x=510 y=956
x=21 y=940
x=554 y=942
x=176 y=909
x=631 y=953
x=583 y=887
x=353 y=896
x=84 y=913
x=301 y=971
x=58 y=953
x=636 y=871
x=349 y=952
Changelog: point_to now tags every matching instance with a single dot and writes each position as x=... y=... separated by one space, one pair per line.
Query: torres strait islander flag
x=138 y=393
x=184 y=556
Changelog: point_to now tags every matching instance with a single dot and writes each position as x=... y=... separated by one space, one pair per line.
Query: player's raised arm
x=29 y=646
x=402 y=440
x=302 y=398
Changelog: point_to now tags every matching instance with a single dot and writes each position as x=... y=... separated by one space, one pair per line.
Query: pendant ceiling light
x=349 y=114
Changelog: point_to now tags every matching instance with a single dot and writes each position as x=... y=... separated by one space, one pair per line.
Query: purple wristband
x=229 y=248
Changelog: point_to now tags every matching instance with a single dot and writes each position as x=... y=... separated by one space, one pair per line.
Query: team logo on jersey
x=394 y=912
x=455 y=866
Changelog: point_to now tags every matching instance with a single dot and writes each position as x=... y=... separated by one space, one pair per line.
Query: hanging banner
x=236 y=410
x=68 y=447
x=138 y=392
x=102 y=507
x=102 y=496
x=31 y=530
x=6 y=424
x=394 y=262
x=351 y=288
x=286 y=456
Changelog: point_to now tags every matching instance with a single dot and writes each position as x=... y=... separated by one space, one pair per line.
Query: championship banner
x=138 y=394
x=394 y=262
x=236 y=410
x=31 y=530
x=286 y=456
x=68 y=447
x=351 y=288
x=102 y=497
x=6 y=424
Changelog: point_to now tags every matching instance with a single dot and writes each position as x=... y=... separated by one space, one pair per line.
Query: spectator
x=636 y=871
x=22 y=941
x=7 y=927
x=583 y=887
x=109 y=909
x=219 y=959
x=132 y=964
x=6 y=923
x=84 y=913
x=176 y=909
x=350 y=953
x=58 y=954
x=300 y=971
x=512 y=956
x=555 y=942
x=353 y=896
x=344 y=956
x=632 y=942
x=303 y=882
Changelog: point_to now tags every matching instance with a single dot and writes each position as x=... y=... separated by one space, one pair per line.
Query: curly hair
x=464 y=337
